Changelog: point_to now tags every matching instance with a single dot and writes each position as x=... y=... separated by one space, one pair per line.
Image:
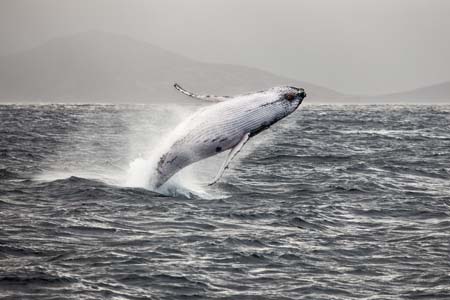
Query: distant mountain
x=438 y=93
x=112 y=68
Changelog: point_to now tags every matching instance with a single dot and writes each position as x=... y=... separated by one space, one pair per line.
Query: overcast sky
x=353 y=46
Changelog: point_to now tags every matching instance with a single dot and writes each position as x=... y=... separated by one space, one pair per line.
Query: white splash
x=123 y=150
x=142 y=172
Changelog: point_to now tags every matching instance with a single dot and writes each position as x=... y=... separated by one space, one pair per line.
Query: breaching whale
x=225 y=125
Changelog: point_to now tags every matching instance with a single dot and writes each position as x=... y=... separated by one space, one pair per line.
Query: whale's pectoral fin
x=201 y=97
x=230 y=156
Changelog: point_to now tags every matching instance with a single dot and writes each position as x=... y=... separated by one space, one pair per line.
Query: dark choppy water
x=335 y=202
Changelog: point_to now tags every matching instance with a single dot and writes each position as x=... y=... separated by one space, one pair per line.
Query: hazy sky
x=353 y=46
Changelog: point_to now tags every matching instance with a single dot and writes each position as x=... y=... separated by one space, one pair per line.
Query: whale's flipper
x=201 y=97
x=230 y=156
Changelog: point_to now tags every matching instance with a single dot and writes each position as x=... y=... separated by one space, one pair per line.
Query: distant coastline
x=99 y=67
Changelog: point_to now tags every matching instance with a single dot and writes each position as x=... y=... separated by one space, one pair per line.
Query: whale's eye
x=289 y=96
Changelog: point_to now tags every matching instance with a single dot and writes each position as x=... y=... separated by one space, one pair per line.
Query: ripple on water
x=335 y=202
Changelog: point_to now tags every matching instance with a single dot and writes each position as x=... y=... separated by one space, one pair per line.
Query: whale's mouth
x=302 y=95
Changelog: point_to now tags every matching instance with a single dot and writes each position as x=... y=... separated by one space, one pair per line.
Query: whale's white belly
x=212 y=130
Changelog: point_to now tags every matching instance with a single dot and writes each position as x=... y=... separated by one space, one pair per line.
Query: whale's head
x=293 y=96
x=275 y=104
x=288 y=96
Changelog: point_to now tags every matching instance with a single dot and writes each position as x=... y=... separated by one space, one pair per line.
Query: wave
x=5 y=174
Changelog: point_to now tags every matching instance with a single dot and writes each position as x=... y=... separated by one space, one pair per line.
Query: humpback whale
x=227 y=124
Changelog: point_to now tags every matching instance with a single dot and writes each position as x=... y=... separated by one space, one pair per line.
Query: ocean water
x=333 y=202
